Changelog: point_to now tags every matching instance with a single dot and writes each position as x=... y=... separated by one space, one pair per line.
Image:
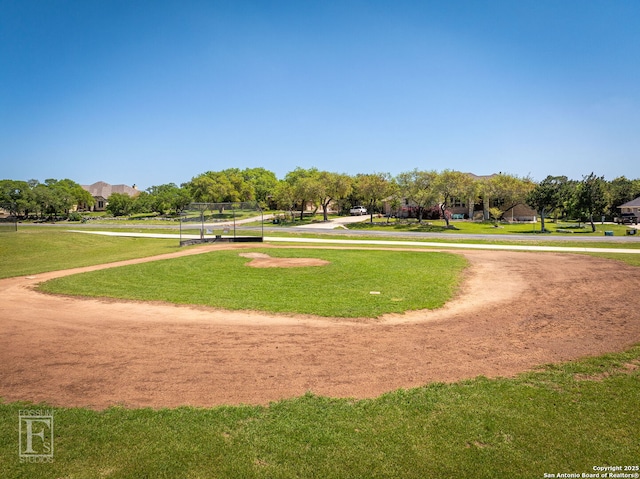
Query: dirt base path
x=515 y=311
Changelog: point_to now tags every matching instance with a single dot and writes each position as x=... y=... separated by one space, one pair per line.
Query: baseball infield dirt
x=514 y=311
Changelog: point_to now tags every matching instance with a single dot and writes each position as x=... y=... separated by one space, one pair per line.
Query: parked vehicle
x=358 y=211
x=627 y=218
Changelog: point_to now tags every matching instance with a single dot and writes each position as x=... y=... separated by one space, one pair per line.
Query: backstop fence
x=230 y=222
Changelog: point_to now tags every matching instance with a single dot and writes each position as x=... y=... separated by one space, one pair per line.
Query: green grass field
x=473 y=227
x=38 y=249
x=405 y=281
x=560 y=419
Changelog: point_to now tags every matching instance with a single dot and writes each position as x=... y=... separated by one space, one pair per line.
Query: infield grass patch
x=405 y=281
x=564 y=418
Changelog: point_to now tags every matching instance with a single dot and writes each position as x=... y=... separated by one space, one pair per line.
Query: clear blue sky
x=151 y=92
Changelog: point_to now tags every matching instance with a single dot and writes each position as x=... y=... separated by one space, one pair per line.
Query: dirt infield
x=262 y=260
x=515 y=311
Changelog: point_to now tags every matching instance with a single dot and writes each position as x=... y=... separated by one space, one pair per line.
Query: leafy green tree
x=394 y=199
x=180 y=199
x=71 y=194
x=505 y=191
x=372 y=189
x=242 y=189
x=305 y=187
x=419 y=187
x=143 y=202
x=263 y=182
x=163 y=198
x=220 y=187
x=202 y=188
x=331 y=187
x=283 y=197
x=591 y=197
x=568 y=199
x=546 y=197
x=58 y=197
x=119 y=204
x=16 y=197
x=449 y=185
x=620 y=191
x=43 y=198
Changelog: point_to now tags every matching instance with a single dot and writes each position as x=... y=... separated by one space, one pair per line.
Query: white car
x=358 y=210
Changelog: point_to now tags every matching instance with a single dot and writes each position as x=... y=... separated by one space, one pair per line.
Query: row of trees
x=587 y=199
x=230 y=185
x=555 y=195
x=423 y=189
x=53 y=198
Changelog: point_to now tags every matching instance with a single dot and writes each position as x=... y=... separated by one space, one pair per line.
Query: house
x=101 y=192
x=467 y=208
x=632 y=206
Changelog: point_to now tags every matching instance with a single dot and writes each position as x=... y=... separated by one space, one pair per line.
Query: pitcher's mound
x=261 y=260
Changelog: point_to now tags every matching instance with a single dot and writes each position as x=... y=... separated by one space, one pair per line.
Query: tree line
x=428 y=191
x=53 y=198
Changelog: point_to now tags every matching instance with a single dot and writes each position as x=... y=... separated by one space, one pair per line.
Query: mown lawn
x=560 y=419
x=34 y=250
x=400 y=280
x=474 y=227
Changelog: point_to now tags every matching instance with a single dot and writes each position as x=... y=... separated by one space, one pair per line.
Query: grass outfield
x=561 y=419
x=405 y=281
x=38 y=249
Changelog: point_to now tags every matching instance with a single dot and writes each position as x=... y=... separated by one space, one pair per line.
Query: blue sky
x=151 y=92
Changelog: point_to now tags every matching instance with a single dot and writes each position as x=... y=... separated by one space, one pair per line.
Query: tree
x=450 y=185
x=242 y=189
x=372 y=189
x=180 y=199
x=546 y=197
x=394 y=199
x=568 y=199
x=620 y=191
x=167 y=197
x=419 y=187
x=119 y=204
x=283 y=197
x=143 y=203
x=505 y=191
x=305 y=187
x=58 y=197
x=16 y=197
x=331 y=186
x=220 y=187
x=43 y=199
x=591 y=197
x=71 y=194
x=263 y=182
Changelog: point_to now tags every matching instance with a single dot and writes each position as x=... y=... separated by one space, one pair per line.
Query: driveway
x=336 y=222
